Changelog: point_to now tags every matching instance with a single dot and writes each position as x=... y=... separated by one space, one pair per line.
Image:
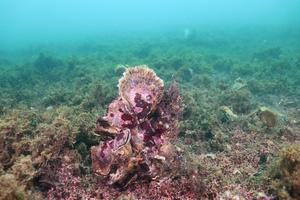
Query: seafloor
x=239 y=132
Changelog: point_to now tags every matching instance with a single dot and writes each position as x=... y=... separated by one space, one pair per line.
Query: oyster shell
x=142 y=89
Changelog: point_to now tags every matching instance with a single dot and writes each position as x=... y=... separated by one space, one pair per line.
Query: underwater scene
x=150 y=100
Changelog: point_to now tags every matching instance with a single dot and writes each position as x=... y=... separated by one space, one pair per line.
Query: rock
x=211 y=155
x=268 y=117
x=49 y=108
x=228 y=113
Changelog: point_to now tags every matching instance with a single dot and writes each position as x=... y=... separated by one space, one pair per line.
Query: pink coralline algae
x=140 y=126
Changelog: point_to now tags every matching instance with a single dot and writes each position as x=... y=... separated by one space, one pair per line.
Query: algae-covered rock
x=15 y=185
x=240 y=100
x=185 y=73
x=268 y=117
x=227 y=114
x=285 y=173
x=9 y=189
x=23 y=169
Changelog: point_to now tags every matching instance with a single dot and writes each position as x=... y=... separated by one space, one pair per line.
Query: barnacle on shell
x=142 y=89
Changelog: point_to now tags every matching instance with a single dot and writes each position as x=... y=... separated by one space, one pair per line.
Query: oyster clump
x=141 y=124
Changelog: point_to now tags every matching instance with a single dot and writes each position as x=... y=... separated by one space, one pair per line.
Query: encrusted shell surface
x=101 y=166
x=142 y=89
x=140 y=144
x=104 y=155
x=118 y=116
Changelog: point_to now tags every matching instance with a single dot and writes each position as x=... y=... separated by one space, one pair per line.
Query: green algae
x=284 y=173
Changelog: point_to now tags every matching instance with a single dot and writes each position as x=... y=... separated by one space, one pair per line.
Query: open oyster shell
x=142 y=89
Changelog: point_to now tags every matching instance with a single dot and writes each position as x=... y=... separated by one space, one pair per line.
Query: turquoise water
x=237 y=65
x=43 y=22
